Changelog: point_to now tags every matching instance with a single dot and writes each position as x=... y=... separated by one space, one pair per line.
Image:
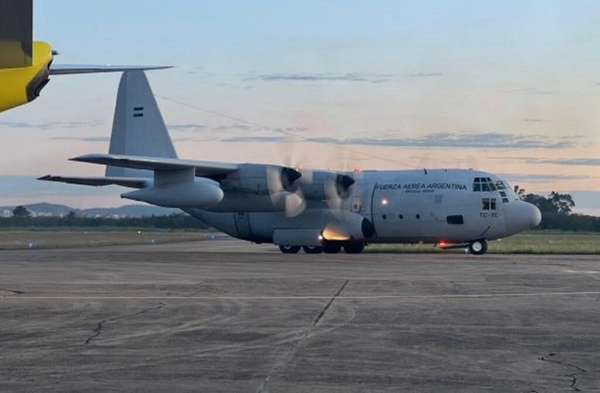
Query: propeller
x=337 y=185
x=292 y=185
x=285 y=187
x=280 y=182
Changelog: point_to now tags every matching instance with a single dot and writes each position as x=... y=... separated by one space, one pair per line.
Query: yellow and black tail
x=24 y=64
x=16 y=33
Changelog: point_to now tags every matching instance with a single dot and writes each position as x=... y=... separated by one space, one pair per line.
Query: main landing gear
x=327 y=248
x=289 y=249
x=478 y=247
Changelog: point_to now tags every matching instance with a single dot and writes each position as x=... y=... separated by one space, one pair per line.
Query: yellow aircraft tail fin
x=16 y=33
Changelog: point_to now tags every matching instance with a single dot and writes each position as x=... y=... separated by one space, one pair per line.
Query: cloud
x=195 y=70
x=567 y=161
x=435 y=140
x=291 y=129
x=236 y=126
x=47 y=125
x=323 y=77
x=528 y=90
x=535 y=178
x=425 y=75
x=256 y=139
x=82 y=139
x=190 y=127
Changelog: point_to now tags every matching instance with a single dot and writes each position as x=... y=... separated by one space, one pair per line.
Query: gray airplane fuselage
x=316 y=210
x=429 y=206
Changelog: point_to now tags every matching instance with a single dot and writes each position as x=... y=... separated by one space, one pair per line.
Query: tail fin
x=138 y=127
x=16 y=33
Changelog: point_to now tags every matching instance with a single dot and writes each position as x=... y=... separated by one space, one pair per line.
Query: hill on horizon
x=133 y=210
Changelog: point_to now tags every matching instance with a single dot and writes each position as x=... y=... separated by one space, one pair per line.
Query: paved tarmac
x=228 y=316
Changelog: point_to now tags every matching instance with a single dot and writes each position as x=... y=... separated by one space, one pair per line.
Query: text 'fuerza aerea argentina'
x=421 y=187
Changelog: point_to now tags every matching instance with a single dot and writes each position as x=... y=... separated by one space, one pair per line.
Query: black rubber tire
x=313 y=249
x=289 y=249
x=354 y=248
x=332 y=248
x=478 y=247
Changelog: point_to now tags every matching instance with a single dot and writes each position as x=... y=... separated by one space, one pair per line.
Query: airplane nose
x=535 y=216
x=521 y=215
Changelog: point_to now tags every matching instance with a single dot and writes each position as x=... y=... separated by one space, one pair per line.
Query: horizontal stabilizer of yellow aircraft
x=26 y=65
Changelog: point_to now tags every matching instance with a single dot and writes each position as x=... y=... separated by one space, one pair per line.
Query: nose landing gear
x=478 y=247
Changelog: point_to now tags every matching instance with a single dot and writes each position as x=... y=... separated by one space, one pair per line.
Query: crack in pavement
x=322 y=313
x=98 y=329
x=573 y=377
x=574 y=383
x=290 y=353
x=15 y=291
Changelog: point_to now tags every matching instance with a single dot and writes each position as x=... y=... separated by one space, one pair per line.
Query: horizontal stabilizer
x=67 y=69
x=202 y=168
x=100 y=181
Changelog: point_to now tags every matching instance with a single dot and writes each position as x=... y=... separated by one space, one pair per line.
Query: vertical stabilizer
x=16 y=33
x=138 y=127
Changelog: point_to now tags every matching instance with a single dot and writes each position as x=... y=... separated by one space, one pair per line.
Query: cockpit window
x=484 y=184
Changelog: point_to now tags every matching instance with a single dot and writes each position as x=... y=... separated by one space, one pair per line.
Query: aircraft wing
x=130 y=182
x=67 y=69
x=202 y=168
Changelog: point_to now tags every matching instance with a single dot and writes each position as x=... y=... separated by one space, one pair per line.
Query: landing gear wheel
x=478 y=247
x=354 y=248
x=332 y=248
x=312 y=249
x=289 y=249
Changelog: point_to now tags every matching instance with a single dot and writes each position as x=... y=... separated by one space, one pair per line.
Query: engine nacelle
x=339 y=226
x=199 y=193
x=260 y=179
x=346 y=226
x=324 y=185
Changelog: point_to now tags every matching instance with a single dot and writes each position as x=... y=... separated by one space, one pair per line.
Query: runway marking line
x=327 y=297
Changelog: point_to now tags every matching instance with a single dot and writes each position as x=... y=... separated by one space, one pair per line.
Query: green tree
x=21 y=212
x=520 y=191
x=71 y=218
x=544 y=204
x=556 y=203
x=562 y=202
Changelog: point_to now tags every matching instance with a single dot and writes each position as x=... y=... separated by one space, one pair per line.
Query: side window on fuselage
x=488 y=204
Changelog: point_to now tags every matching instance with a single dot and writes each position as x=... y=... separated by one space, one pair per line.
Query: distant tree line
x=21 y=217
x=557 y=212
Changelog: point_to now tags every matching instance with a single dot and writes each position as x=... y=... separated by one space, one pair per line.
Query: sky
x=508 y=87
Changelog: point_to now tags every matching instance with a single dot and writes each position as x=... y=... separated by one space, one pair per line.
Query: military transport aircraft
x=26 y=65
x=317 y=210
